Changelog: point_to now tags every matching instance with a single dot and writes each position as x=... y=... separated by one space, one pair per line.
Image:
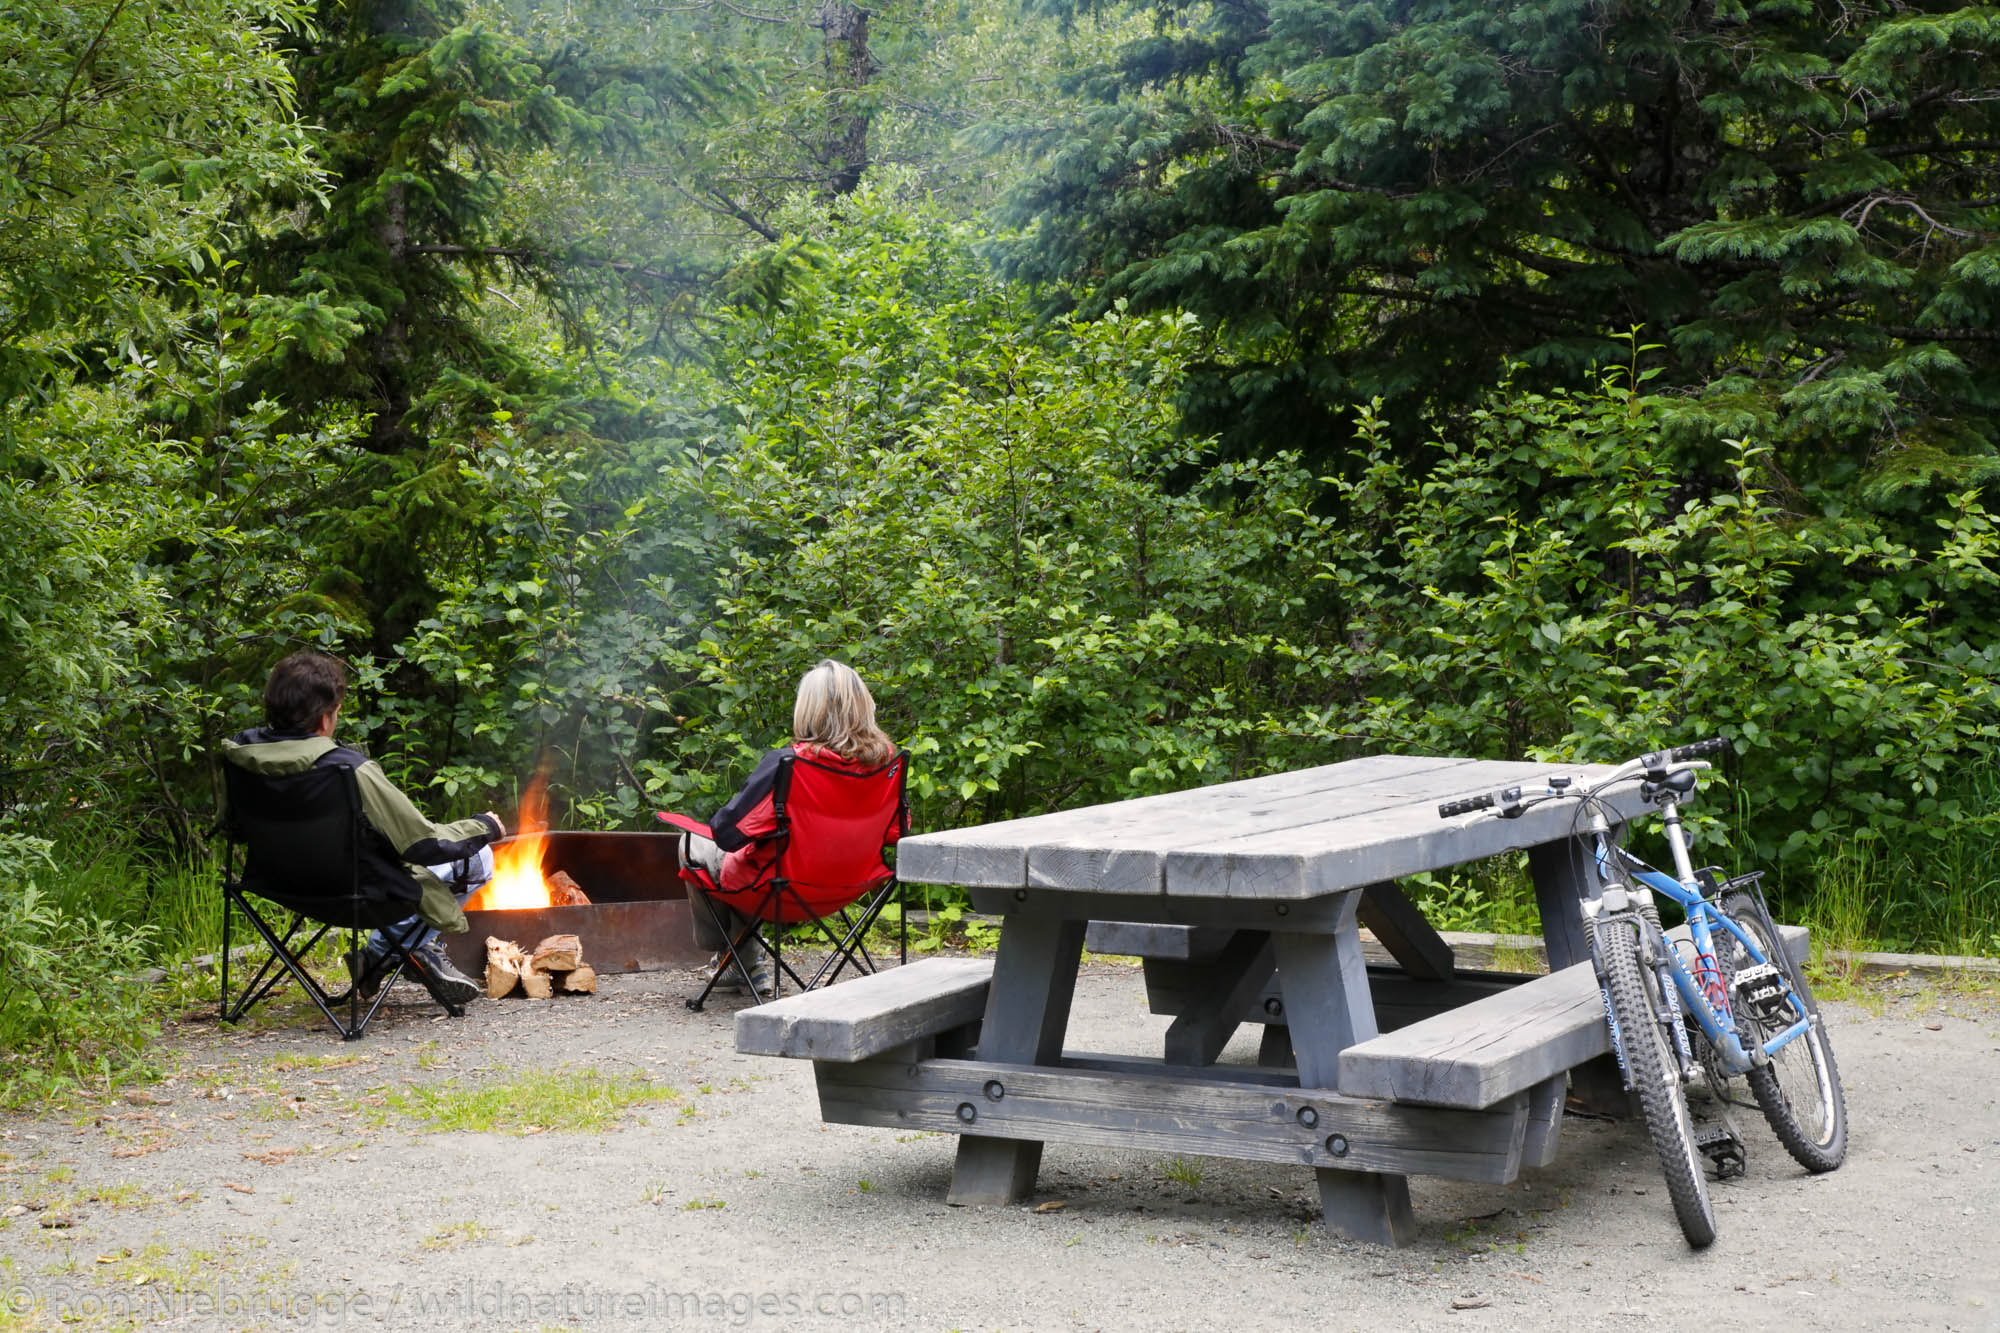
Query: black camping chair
x=301 y=836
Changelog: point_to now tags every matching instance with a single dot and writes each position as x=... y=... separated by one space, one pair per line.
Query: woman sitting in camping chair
x=833 y=729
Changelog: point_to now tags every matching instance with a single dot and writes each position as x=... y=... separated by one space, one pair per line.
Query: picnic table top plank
x=1288 y=836
x=1117 y=847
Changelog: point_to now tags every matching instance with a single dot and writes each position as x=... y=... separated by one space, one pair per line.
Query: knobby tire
x=1799 y=1090
x=1639 y=1010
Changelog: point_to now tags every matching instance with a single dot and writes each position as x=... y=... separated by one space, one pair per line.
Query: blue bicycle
x=1720 y=999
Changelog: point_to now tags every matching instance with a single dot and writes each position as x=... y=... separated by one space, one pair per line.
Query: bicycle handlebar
x=1653 y=765
x=1466 y=805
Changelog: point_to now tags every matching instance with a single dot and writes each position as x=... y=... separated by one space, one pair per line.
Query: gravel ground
x=273 y=1180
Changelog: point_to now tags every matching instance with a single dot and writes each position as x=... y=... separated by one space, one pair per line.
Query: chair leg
x=780 y=969
x=266 y=979
x=403 y=951
x=222 y=999
x=354 y=981
x=852 y=947
x=268 y=974
x=732 y=955
x=285 y=959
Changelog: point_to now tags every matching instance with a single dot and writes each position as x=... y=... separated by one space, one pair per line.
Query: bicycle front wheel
x=1799 y=1090
x=1642 y=1015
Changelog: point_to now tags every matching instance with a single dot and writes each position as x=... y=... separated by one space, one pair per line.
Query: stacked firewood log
x=556 y=964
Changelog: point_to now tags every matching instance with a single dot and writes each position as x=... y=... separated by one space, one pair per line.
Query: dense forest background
x=1139 y=395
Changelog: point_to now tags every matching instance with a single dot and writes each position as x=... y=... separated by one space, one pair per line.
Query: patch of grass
x=158 y=1265
x=123 y=1194
x=292 y=1062
x=696 y=1205
x=1510 y=958
x=1183 y=1172
x=1931 y=894
x=1838 y=912
x=584 y=1100
x=76 y=1012
x=458 y=1233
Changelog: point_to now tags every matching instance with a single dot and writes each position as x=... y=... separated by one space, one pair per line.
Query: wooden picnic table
x=1280 y=873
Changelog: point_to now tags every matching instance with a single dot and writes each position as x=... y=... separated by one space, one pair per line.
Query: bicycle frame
x=1707 y=1003
x=1701 y=991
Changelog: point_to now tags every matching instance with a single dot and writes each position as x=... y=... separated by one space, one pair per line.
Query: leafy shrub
x=1056 y=597
x=1574 y=579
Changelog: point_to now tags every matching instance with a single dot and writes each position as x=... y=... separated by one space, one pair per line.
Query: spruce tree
x=1797 y=200
x=429 y=112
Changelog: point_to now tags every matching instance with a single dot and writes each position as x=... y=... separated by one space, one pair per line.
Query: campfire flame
x=517 y=880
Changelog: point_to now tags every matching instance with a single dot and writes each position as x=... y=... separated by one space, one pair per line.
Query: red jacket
x=742 y=828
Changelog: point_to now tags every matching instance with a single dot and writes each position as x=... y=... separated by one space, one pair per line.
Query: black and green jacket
x=398 y=840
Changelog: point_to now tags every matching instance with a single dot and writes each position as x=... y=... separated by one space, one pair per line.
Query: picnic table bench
x=1499 y=1032
x=1246 y=899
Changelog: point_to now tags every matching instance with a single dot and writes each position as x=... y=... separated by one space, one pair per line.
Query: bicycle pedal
x=1761 y=989
x=1724 y=1150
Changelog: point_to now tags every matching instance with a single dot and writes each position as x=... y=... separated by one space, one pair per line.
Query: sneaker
x=359 y=961
x=452 y=984
x=763 y=974
x=726 y=977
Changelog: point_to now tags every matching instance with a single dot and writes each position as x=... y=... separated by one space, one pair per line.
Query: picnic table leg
x=1328 y=1009
x=1027 y=1015
x=1403 y=930
x=1236 y=977
x=1562 y=872
x=1275 y=1050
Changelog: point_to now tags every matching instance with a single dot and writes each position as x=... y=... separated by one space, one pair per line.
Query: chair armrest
x=683 y=822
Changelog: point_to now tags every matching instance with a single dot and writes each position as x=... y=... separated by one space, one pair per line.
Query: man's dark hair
x=303 y=688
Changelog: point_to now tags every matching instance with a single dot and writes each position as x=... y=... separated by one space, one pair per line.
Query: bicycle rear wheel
x=1800 y=1089
x=1640 y=1011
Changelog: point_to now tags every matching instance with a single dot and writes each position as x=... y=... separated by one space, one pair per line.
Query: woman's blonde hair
x=835 y=710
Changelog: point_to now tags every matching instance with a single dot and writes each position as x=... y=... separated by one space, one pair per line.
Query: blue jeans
x=469 y=875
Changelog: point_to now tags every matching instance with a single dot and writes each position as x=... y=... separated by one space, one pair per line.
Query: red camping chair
x=832 y=826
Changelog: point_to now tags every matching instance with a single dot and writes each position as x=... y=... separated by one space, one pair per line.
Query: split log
x=566 y=892
x=582 y=981
x=537 y=983
x=558 y=953
x=504 y=965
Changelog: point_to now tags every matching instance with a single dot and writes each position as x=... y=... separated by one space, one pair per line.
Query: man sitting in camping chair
x=302 y=703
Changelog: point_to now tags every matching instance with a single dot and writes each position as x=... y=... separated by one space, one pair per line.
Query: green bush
x=1056 y=597
x=1584 y=576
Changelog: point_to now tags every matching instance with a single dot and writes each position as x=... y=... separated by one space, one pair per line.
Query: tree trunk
x=386 y=433
x=843 y=152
